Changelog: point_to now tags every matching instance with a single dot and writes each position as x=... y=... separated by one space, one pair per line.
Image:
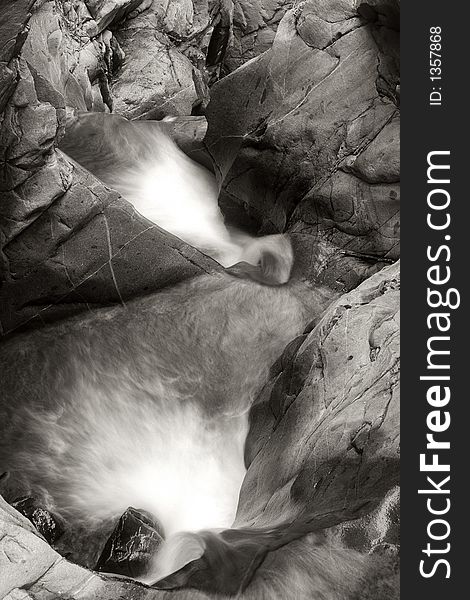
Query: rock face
x=164 y=84
x=305 y=138
x=303 y=135
x=333 y=402
x=68 y=243
x=254 y=28
x=163 y=74
x=319 y=461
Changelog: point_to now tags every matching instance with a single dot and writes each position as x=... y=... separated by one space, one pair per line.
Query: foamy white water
x=110 y=453
x=145 y=165
x=181 y=196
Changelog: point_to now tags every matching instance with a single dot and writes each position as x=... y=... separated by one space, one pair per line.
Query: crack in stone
x=110 y=261
x=49 y=306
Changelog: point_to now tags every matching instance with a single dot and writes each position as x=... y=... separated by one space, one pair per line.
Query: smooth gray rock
x=324 y=440
x=254 y=28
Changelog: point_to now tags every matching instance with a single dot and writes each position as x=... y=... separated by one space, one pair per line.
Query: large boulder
x=156 y=80
x=163 y=70
x=323 y=438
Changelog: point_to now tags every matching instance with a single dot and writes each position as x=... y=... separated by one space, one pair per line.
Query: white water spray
x=107 y=451
x=179 y=195
x=141 y=162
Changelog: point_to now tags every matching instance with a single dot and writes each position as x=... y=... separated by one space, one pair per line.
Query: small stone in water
x=45 y=522
x=132 y=545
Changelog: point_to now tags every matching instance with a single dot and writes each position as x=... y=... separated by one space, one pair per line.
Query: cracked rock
x=304 y=139
x=68 y=244
x=254 y=28
x=163 y=73
x=339 y=421
x=156 y=80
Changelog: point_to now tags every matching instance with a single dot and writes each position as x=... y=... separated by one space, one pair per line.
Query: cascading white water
x=145 y=165
x=146 y=405
x=170 y=189
x=109 y=449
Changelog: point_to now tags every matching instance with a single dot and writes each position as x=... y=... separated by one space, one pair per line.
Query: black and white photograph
x=200 y=301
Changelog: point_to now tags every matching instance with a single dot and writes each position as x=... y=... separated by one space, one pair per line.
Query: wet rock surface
x=315 y=149
x=132 y=545
x=254 y=26
x=47 y=524
x=334 y=406
x=68 y=243
x=304 y=138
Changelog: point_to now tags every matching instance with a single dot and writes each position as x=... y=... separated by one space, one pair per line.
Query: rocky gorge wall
x=302 y=131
